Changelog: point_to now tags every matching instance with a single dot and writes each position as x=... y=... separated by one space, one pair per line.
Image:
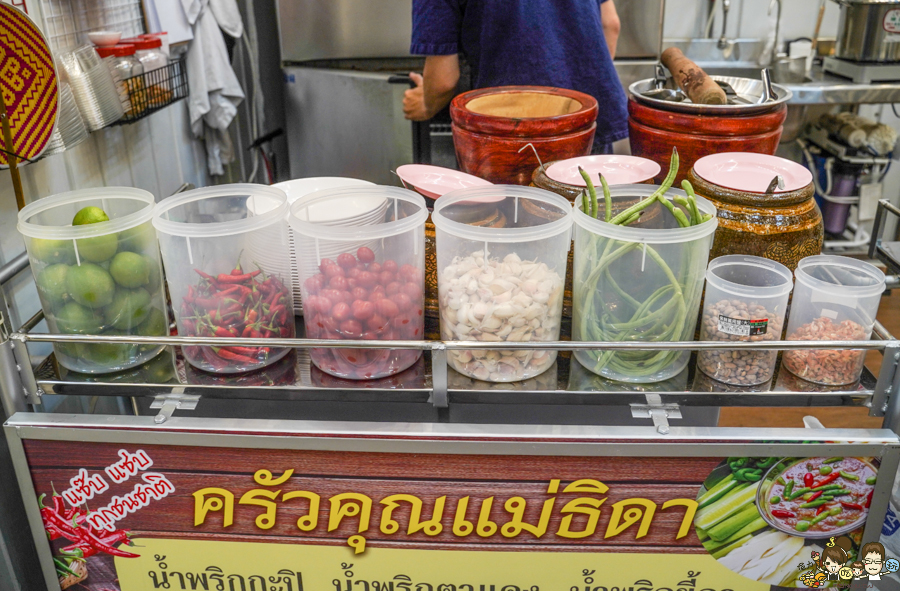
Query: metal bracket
x=657 y=411
x=890 y=365
x=26 y=373
x=439 y=396
x=169 y=403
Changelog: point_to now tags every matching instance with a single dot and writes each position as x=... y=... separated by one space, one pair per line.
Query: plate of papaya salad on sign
x=761 y=517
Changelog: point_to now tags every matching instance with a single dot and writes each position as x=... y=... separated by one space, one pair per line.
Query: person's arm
x=434 y=89
x=609 y=19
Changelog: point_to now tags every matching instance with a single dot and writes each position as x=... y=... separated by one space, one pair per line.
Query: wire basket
x=154 y=90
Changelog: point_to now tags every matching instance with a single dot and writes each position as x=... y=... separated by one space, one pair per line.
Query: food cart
x=294 y=480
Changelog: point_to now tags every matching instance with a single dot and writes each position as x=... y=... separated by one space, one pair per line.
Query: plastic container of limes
x=97 y=277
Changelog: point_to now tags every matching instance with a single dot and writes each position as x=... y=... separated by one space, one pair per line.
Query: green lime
x=67 y=349
x=51 y=284
x=90 y=285
x=160 y=369
x=77 y=319
x=52 y=251
x=97 y=249
x=140 y=239
x=155 y=281
x=108 y=353
x=129 y=269
x=154 y=325
x=129 y=308
x=89 y=215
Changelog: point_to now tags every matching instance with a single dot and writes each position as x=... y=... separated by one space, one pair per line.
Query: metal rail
x=10 y=269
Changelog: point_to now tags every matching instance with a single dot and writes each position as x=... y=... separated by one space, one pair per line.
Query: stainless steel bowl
x=749 y=89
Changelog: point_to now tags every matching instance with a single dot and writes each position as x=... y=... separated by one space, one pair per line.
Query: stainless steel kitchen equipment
x=343 y=117
x=869 y=31
x=748 y=94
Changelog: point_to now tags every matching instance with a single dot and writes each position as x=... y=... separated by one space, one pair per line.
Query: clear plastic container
x=502 y=281
x=99 y=278
x=746 y=299
x=148 y=51
x=835 y=299
x=211 y=242
x=295 y=189
x=641 y=282
x=122 y=65
x=362 y=281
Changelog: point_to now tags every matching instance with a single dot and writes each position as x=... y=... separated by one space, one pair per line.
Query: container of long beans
x=640 y=258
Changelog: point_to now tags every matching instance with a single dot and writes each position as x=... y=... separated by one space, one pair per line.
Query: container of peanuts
x=746 y=299
x=502 y=283
x=835 y=299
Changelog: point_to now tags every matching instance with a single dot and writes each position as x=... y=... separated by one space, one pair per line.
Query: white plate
x=434 y=181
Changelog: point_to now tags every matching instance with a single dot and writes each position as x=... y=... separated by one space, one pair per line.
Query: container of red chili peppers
x=362 y=282
x=210 y=241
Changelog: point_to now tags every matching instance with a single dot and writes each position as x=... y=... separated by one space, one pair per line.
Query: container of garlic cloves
x=502 y=284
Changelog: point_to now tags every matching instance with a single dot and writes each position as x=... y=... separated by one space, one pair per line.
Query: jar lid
x=144 y=43
x=120 y=50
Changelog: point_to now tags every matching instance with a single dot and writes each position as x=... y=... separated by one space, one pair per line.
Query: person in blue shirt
x=561 y=43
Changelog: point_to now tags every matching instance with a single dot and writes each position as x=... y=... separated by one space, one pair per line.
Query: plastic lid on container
x=320 y=214
x=120 y=50
x=616 y=169
x=673 y=235
x=497 y=193
x=156 y=34
x=297 y=188
x=269 y=206
x=144 y=43
x=840 y=276
x=745 y=275
x=27 y=225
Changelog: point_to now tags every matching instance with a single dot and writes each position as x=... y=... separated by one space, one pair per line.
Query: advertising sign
x=140 y=515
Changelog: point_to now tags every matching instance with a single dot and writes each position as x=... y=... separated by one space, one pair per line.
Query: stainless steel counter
x=826 y=88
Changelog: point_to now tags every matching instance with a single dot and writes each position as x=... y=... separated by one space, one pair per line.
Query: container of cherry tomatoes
x=362 y=282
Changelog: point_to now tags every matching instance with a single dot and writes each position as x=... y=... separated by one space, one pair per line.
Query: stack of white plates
x=356 y=211
x=70 y=129
x=93 y=87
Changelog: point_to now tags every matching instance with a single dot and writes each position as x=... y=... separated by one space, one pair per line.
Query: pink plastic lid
x=751 y=172
x=617 y=170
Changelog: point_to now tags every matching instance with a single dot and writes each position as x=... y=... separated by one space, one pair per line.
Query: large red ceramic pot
x=492 y=125
x=654 y=132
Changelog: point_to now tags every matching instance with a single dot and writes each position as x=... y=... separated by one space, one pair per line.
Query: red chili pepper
x=854 y=506
x=869 y=498
x=248 y=351
x=783 y=514
x=223 y=278
x=224 y=332
x=224 y=354
x=251 y=316
x=255 y=334
x=808 y=479
x=205 y=275
x=822 y=509
x=827 y=480
x=86 y=549
x=210 y=356
x=815 y=496
x=89 y=538
x=56 y=520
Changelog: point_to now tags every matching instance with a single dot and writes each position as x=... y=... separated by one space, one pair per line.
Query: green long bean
x=662 y=316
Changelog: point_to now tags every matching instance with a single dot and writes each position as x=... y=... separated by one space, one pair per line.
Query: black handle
x=401 y=79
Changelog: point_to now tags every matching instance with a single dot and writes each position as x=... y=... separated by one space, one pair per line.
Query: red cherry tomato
x=351 y=329
x=386 y=277
x=413 y=290
x=332 y=270
x=359 y=293
x=365 y=255
x=324 y=263
x=314 y=284
x=332 y=295
x=326 y=323
x=354 y=272
x=351 y=282
x=346 y=260
x=369 y=336
x=389 y=265
x=366 y=279
x=338 y=282
x=362 y=309
x=377 y=323
x=402 y=300
x=347 y=297
x=387 y=308
x=392 y=288
x=340 y=311
x=408 y=272
x=374 y=267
